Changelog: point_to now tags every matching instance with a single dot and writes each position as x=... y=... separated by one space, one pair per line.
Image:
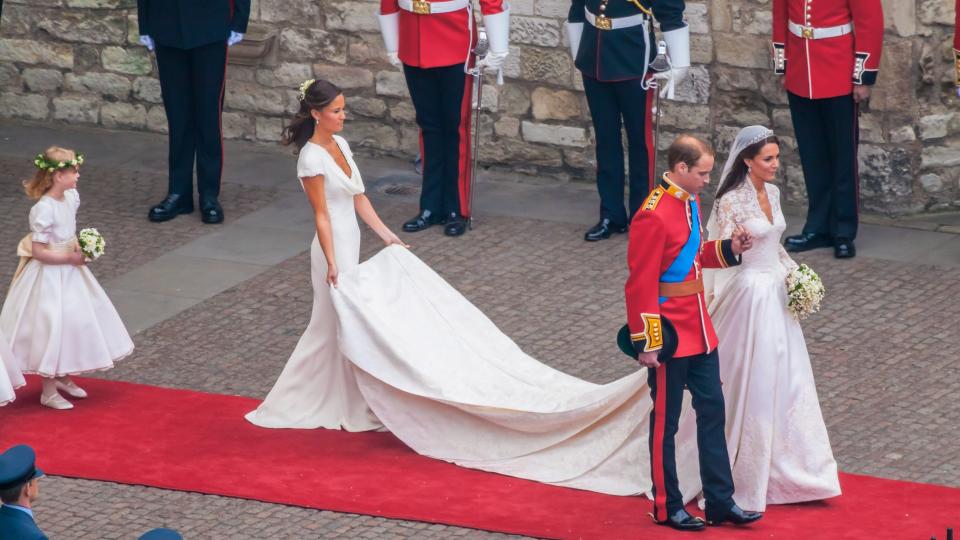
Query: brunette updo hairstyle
x=738 y=172
x=317 y=95
x=42 y=179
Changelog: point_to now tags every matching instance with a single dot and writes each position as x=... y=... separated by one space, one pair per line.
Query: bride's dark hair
x=317 y=95
x=738 y=172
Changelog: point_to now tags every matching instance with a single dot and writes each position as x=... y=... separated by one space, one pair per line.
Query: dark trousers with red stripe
x=701 y=375
x=827 y=132
x=437 y=94
x=614 y=106
x=191 y=81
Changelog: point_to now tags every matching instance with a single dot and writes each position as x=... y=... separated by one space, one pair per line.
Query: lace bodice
x=741 y=207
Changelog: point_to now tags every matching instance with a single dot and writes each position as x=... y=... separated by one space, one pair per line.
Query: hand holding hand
x=861 y=93
x=741 y=240
x=147 y=42
x=332 y=274
x=649 y=359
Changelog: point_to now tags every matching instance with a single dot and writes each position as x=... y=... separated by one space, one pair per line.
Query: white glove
x=147 y=42
x=390 y=30
x=493 y=61
x=678 y=52
x=574 y=31
x=235 y=37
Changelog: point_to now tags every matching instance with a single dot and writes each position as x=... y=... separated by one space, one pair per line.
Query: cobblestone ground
x=116 y=203
x=883 y=350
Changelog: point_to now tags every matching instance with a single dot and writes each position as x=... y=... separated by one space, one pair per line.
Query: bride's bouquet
x=92 y=243
x=804 y=292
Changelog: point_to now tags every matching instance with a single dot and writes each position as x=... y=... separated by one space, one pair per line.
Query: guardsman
x=190 y=39
x=19 y=488
x=673 y=336
x=829 y=54
x=432 y=40
x=613 y=44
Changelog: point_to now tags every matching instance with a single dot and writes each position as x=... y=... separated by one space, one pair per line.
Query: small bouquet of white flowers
x=804 y=292
x=92 y=243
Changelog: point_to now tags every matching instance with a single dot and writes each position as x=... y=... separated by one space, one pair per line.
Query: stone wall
x=78 y=61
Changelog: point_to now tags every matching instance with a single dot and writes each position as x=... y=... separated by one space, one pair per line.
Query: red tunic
x=438 y=39
x=657 y=235
x=827 y=67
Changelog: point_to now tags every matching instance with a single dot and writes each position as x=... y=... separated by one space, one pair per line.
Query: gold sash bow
x=25 y=252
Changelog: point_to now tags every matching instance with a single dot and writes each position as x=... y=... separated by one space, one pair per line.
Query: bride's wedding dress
x=776 y=435
x=394 y=345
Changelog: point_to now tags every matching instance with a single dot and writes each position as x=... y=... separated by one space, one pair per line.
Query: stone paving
x=883 y=349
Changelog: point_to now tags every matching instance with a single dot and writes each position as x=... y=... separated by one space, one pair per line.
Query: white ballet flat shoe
x=72 y=389
x=56 y=401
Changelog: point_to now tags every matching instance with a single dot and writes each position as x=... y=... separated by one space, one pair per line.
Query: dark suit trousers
x=437 y=95
x=701 y=374
x=827 y=133
x=192 y=84
x=613 y=106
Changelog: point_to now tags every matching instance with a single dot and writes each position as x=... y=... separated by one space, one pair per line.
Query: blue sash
x=680 y=268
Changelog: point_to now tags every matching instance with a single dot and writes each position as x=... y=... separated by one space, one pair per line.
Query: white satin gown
x=776 y=436
x=395 y=346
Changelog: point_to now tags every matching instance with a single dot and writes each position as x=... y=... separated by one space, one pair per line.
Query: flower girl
x=10 y=377
x=57 y=318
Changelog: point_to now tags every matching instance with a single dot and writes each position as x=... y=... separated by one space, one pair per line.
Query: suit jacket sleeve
x=780 y=36
x=644 y=257
x=718 y=254
x=241 y=16
x=576 y=14
x=669 y=13
x=388 y=7
x=142 y=27
x=867 y=38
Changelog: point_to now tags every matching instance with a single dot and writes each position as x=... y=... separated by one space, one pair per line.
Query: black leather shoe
x=844 y=249
x=456 y=225
x=423 y=220
x=171 y=207
x=211 y=211
x=681 y=520
x=807 y=241
x=735 y=515
x=603 y=230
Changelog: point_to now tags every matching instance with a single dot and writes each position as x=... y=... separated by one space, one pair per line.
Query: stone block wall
x=78 y=61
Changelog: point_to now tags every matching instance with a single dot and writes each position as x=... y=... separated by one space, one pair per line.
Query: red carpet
x=190 y=441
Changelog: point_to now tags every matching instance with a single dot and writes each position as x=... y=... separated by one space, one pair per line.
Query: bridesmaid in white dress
x=317 y=387
x=776 y=435
x=57 y=317
x=10 y=376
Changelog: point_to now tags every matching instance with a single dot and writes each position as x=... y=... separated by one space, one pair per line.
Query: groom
x=673 y=336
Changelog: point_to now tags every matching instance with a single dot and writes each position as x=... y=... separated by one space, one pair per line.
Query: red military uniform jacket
x=824 y=47
x=658 y=234
x=437 y=39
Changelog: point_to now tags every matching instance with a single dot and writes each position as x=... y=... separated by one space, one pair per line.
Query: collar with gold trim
x=673 y=190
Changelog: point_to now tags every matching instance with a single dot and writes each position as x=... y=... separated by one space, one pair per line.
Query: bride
x=390 y=345
x=776 y=436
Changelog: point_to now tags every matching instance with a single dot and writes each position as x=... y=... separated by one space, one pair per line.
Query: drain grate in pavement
x=400 y=189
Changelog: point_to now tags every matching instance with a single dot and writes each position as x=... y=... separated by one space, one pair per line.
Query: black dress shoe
x=171 y=207
x=423 y=220
x=681 y=520
x=603 y=230
x=456 y=225
x=807 y=241
x=211 y=211
x=844 y=249
x=735 y=515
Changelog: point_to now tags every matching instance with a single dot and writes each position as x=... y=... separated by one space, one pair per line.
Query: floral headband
x=304 y=86
x=50 y=165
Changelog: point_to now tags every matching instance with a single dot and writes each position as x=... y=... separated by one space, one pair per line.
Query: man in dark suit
x=190 y=39
x=19 y=479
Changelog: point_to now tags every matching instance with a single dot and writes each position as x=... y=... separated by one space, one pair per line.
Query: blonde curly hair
x=42 y=180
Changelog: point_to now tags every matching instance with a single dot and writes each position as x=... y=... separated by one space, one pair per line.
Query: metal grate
x=400 y=189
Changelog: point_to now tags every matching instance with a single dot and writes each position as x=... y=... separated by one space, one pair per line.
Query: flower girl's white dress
x=10 y=377
x=57 y=318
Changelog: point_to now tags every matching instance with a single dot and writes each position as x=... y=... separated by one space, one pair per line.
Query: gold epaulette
x=653 y=199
